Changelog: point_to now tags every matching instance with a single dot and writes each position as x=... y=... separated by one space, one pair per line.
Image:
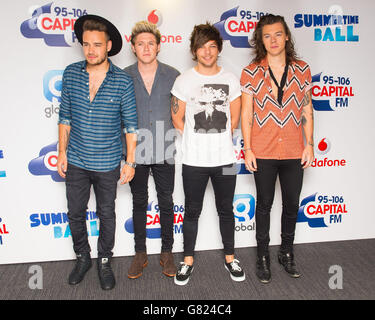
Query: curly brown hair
x=257 y=39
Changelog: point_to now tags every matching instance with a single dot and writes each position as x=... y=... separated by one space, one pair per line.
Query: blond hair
x=145 y=26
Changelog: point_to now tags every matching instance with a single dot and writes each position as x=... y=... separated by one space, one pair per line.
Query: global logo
x=155 y=17
x=46 y=163
x=53 y=24
x=243 y=207
x=237 y=26
x=244 y=211
x=153 y=229
x=3 y=173
x=52 y=85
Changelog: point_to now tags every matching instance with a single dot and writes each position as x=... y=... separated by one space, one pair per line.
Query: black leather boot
x=106 y=276
x=263 y=270
x=83 y=264
x=287 y=261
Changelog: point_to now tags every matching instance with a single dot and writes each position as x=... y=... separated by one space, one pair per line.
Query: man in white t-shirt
x=205 y=110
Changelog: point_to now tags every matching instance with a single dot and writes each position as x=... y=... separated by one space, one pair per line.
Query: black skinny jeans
x=78 y=185
x=164 y=182
x=290 y=174
x=195 y=181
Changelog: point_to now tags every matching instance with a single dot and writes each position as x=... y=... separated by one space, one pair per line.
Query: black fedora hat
x=114 y=34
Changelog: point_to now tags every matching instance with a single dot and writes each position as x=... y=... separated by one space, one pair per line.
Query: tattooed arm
x=178 y=113
x=247 y=119
x=62 y=162
x=307 y=118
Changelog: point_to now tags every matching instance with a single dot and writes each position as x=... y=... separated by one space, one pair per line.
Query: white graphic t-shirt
x=207 y=137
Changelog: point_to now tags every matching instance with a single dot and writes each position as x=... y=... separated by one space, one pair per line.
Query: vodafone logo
x=155 y=17
x=323 y=146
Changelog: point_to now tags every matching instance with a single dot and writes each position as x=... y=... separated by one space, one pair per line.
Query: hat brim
x=114 y=34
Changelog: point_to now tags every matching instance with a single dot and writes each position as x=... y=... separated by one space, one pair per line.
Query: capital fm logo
x=244 y=211
x=322 y=160
x=52 y=23
x=322 y=210
x=237 y=25
x=238 y=144
x=331 y=92
x=3 y=231
x=153 y=228
x=46 y=163
x=52 y=87
x=156 y=17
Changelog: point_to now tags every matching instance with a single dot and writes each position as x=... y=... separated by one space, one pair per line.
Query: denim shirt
x=95 y=134
x=156 y=132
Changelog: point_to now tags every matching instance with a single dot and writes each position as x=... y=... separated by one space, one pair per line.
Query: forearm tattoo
x=174 y=103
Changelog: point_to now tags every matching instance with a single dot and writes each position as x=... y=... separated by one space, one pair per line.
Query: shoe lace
x=235 y=265
x=184 y=269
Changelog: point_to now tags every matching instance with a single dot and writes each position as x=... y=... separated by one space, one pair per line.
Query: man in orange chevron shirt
x=276 y=112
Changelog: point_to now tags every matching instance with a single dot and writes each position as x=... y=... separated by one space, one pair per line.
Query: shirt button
x=90 y=111
x=280 y=139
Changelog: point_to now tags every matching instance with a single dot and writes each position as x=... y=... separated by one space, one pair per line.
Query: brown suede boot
x=167 y=262
x=136 y=268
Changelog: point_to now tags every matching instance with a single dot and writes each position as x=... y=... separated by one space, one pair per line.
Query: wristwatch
x=131 y=164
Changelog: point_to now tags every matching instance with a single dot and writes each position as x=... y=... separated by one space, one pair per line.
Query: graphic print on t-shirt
x=211 y=106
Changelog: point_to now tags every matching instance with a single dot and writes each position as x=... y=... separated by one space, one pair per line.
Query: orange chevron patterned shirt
x=277 y=129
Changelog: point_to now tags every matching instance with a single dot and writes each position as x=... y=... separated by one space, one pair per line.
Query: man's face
x=274 y=38
x=95 y=47
x=207 y=54
x=146 y=48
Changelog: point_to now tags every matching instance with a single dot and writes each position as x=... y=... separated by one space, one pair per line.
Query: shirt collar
x=265 y=66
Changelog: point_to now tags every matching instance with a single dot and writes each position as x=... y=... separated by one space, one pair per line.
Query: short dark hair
x=257 y=39
x=95 y=25
x=203 y=33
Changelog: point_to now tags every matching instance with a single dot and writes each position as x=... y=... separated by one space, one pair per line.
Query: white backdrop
x=335 y=38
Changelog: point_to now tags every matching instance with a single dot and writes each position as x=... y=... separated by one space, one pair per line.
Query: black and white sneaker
x=235 y=270
x=183 y=274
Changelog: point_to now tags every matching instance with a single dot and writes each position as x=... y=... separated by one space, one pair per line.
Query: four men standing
x=98 y=99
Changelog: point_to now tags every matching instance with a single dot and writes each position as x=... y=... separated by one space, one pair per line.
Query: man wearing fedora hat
x=97 y=100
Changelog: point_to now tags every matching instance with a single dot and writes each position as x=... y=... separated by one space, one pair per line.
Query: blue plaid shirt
x=95 y=134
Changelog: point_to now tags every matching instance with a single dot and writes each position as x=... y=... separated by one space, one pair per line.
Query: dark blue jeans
x=290 y=174
x=164 y=182
x=78 y=185
x=195 y=181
